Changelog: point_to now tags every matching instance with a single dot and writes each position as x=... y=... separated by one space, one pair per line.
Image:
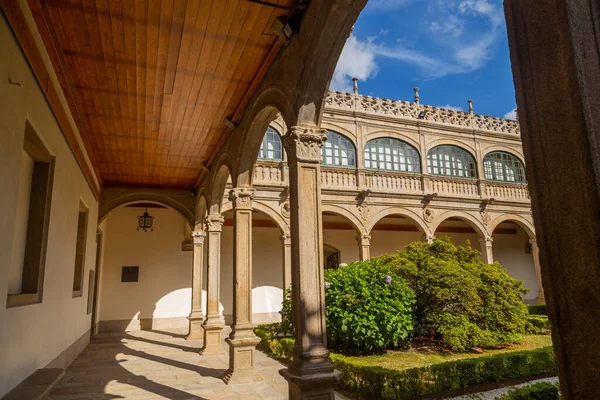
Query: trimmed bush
x=270 y=343
x=378 y=382
x=540 y=324
x=459 y=299
x=537 y=391
x=537 y=309
x=369 y=307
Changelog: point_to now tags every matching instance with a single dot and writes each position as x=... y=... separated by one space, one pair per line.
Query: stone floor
x=161 y=365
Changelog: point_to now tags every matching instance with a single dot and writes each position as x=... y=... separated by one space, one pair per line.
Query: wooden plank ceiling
x=149 y=83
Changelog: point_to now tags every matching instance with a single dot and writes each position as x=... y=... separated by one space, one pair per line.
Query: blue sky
x=453 y=50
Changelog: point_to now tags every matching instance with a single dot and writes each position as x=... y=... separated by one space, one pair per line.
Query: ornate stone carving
x=428 y=238
x=286 y=239
x=198 y=237
x=364 y=212
x=485 y=241
x=214 y=223
x=428 y=214
x=485 y=217
x=285 y=209
x=305 y=143
x=241 y=198
x=364 y=240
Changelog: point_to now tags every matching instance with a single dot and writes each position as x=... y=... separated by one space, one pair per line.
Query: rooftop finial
x=416 y=95
x=470 y=106
x=355 y=79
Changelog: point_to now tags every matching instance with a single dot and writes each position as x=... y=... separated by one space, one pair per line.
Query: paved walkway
x=160 y=365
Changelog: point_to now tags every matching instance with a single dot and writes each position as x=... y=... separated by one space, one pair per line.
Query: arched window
x=338 y=150
x=501 y=166
x=271 y=148
x=451 y=161
x=392 y=155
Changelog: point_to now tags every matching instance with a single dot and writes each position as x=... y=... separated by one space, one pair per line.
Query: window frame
x=80 y=249
x=342 y=143
x=466 y=158
x=505 y=158
x=265 y=142
x=403 y=148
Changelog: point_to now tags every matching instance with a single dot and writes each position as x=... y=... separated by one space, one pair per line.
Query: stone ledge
x=37 y=385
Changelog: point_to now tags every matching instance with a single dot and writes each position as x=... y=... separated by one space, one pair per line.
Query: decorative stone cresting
x=405 y=109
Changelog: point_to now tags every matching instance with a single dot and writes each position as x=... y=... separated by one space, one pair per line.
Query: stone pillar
x=242 y=339
x=364 y=246
x=310 y=375
x=286 y=243
x=428 y=238
x=555 y=53
x=196 y=317
x=214 y=323
x=485 y=245
x=535 y=251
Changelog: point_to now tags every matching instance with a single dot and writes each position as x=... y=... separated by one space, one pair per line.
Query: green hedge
x=537 y=391
x=382 y=382
x=539 y=324
x=537 y=309
x=278 y=347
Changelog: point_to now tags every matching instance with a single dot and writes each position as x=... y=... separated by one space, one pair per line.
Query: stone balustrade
x=332 y=178
x=405 y=109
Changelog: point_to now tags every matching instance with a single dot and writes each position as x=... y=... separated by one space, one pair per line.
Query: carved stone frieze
x=304 y=143
x=241 y=198
x=214 y=223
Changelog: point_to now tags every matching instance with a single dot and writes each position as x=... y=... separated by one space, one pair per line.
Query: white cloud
x=452 y=26
x=455 y=108
x=357 y=60
x=511 y=114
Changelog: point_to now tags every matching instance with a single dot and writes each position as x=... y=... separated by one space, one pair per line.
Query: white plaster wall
x=34 y=335
x=390 y=242
x=509 y=251
x=165 y=274
x=345 y=241
x=267 y=273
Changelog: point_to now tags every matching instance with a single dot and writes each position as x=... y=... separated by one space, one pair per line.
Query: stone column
x=485 y=245
x=286 y=243
x=428 y=238
x=242 y=339
x=364 y=246
x=555 y=54
x=196 y=317
x=310 y=375
x=535 y=251
x=214 y=323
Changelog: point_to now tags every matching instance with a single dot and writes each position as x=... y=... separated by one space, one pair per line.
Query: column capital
x=214 y=223
x=485 y=241
x=304 y=143
x=198 y=237
x=429 y=238
x=363 y=240
x=533 y=242
x=286 y=239
x=242 y=198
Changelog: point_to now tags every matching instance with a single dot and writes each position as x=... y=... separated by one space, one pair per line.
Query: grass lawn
x=420 y=357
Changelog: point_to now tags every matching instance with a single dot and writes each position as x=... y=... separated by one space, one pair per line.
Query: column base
x=319 y=386
x=212 y=338
x=196 y=332
x=241 y=360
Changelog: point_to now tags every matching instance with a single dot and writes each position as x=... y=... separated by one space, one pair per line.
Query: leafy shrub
x=377 y=382
x=537 y=309
x=538 y=324
x=460 y=300
x=369 y=308
x=279 y=347
x=286 y=327
x=537 y=391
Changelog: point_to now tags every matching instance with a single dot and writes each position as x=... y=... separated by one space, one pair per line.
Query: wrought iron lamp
x=145 y=221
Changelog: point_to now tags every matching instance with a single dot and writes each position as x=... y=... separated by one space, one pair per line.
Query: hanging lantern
x=145 y=221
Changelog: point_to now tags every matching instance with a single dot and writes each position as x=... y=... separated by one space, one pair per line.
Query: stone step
x=37 y=385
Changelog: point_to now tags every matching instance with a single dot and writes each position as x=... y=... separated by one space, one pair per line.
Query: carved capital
x=429 y=238
x=241 y=198
x=533 y=243
x=364 y=240
x=198 y=237
x=286 y=239
x=303 y=143
x=485 y=241
x=214 y=223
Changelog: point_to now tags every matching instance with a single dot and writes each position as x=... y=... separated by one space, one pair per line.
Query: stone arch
x=217 y=186
x=450 y=142
x=330 y=126
x=146 y=197
x=506 y=149
x=523 y=222
x=282 y=223
x=466 y=217
x=356 y=223
x=394 y=134
x=411 y=215
x=201 y=209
